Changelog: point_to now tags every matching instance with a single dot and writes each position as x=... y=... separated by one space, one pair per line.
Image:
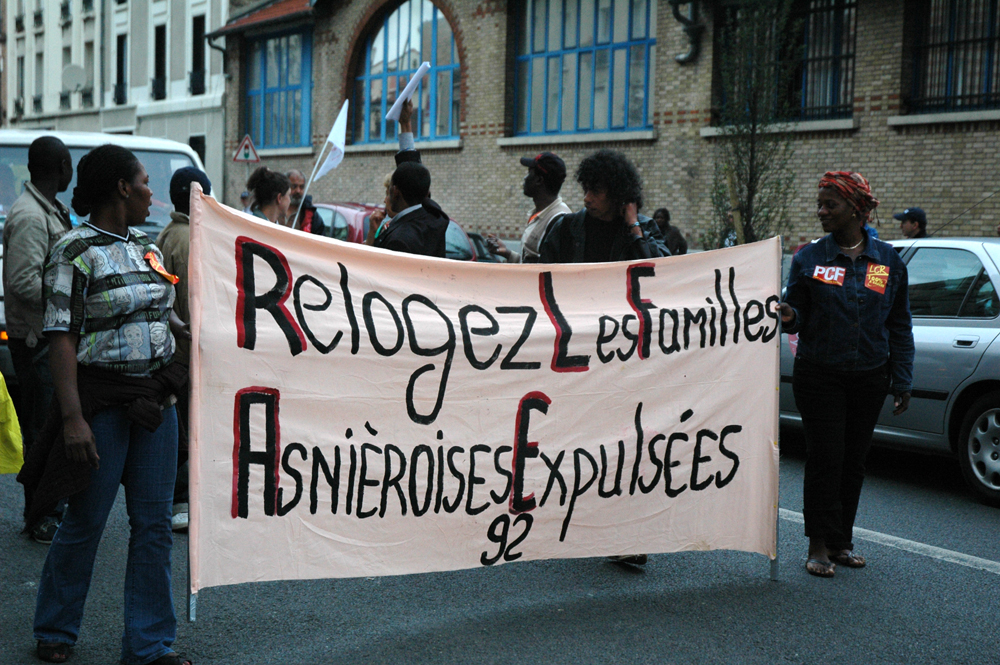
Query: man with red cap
x=546 y=174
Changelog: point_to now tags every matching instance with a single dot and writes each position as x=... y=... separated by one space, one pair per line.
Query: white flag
x=337 y=139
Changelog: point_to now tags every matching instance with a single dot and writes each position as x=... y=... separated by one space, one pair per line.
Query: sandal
x=172 y=658
x=848 y=559
x=52 y=652
x=820 y=568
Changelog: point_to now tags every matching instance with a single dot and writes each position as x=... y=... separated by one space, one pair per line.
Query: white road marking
x=912 y=546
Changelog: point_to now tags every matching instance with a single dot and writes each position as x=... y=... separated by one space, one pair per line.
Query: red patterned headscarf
x=853 y=188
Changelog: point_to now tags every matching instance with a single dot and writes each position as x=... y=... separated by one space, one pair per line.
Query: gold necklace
x=847 y=249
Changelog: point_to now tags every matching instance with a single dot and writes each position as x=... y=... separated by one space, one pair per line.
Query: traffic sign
x=246 y=152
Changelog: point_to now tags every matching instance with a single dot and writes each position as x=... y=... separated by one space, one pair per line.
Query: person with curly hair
x=847 y=300
x=271 y=194
x=111 y=327
x=609 y=228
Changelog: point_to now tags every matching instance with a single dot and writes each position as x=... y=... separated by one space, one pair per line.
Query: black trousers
x=839 y=412
x=31 y=365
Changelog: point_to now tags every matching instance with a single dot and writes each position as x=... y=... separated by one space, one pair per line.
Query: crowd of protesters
x=98 y=318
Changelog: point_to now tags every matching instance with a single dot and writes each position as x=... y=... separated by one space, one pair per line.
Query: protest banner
x=362 y=412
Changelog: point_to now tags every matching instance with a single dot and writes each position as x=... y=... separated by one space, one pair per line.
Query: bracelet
x=632 y=226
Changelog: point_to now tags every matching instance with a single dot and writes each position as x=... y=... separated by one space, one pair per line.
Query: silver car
x=955 y=405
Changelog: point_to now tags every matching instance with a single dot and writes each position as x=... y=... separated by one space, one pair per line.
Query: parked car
x=349 y=222
x=483 y=253
x=345 y=221
x=955 y=403
x=160 y=157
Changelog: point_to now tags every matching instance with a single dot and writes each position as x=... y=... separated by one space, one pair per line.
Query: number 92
x=499 y=531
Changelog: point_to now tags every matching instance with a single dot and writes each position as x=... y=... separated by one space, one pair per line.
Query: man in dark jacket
x=417 y=228
x=609 y=228
x=671 y=234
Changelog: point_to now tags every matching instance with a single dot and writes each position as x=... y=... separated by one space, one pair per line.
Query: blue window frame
x=826 y=83
x=583 y=65
x=957 y=63
x=415 y=32
x=279 y=90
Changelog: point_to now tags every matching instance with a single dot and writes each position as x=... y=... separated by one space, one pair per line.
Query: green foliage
x=757 y=62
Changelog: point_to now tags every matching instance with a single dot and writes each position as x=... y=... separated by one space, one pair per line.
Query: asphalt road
x=911 y=605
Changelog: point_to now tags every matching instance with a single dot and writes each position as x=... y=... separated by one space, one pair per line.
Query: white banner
x=362 y=412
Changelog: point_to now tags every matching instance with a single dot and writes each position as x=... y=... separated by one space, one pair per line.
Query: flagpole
x=298 y=213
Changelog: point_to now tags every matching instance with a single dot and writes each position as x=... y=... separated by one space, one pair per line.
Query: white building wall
x=179 y=116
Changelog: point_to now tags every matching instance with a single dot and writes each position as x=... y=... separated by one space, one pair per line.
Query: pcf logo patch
x=830 y=274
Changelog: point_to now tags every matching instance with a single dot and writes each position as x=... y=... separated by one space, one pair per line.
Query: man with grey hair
x=307 y=220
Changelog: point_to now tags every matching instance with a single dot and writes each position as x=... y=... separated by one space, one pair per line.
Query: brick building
x=906 y=92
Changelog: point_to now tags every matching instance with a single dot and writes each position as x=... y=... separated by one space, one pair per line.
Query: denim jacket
x=852 y=315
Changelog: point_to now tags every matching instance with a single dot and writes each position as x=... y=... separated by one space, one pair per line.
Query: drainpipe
x=100 y=90
x=692 y=29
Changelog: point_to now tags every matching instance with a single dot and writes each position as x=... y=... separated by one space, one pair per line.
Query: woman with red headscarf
x=847 y=299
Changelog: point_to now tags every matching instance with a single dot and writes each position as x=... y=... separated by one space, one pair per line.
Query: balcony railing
x=36 y=104
x=158 y=88
x=64 y=13
x=87 y=97
x=120 y=95
x=39 y=23
x=64 y=103
x=197 y=82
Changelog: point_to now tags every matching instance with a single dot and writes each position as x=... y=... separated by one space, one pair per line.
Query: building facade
x=119 y=66
x=905 y=91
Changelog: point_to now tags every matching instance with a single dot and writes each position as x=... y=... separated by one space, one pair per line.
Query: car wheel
x=979 y=448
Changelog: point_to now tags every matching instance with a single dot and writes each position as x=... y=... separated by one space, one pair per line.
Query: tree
x=753 y=182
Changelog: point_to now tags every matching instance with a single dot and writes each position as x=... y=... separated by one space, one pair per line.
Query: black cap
x=180 y=186
x=552 y=168
x=914 y=214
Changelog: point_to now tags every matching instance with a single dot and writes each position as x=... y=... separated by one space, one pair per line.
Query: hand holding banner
x=397 y=106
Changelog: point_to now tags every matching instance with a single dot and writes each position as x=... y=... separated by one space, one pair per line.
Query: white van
x=160 y=157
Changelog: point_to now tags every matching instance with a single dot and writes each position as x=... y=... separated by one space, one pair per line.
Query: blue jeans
x=145 y=463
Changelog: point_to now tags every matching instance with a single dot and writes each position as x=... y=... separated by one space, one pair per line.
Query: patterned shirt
x=102 y=287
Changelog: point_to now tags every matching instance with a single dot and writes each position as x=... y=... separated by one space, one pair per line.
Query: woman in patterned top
x=110 y=321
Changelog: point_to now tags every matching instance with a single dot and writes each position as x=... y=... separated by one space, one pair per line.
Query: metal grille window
x=415 y=32
x=957 y=63
x=814 y=65
x=279 y=90
x=825 y=85
x=583 y=65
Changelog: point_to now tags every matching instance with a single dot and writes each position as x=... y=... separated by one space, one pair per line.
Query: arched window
x=584 y=65
x=415 y=32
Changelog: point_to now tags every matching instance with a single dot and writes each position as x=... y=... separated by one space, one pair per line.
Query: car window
x=456 y=246
x=159 y=165
x=334 y=223
x=326 y=215
x=339 y=230
x=940 y=279
x=982 y=301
